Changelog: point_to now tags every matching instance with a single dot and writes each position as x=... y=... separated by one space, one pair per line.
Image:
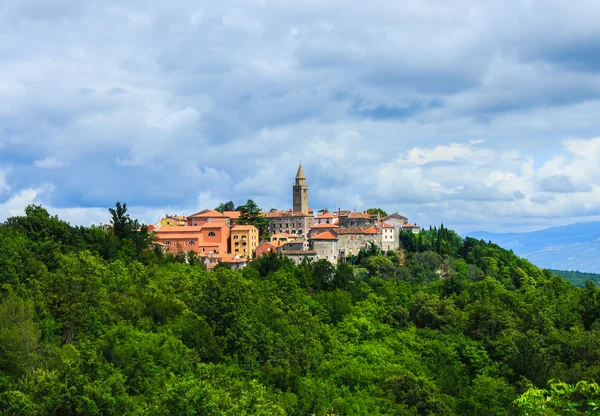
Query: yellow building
x=244 y=240
x=280 y=239
x=171 y=220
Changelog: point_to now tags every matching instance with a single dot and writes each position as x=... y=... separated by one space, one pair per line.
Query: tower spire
x=300 y=192
x=300 y=174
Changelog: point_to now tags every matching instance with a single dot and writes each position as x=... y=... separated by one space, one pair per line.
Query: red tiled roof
x=188 y=228
x=232 y=214
x=371 y=230
x=325 y=236
x=325 y=215
x=207 y=213
x=324 y=226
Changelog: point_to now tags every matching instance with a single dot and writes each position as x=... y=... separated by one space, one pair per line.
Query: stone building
x=298 y=220
x=351 y=240
x=326 y=247
x=289 y=222
x=395 y=220
x=356 y=219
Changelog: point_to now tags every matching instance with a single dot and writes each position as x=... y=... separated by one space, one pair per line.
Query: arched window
x=168 y=243
x=191 y=242
x=235 y=237
x=212 y=234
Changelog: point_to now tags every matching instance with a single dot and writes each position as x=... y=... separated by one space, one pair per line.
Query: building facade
x=356 y=220
x=326 y=247
x=244 y=240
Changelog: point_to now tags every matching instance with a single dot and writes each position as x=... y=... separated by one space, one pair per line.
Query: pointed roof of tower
x=300 y=174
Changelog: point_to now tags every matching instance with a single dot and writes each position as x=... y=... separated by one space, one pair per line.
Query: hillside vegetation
x=98 y=322
x=576 y=277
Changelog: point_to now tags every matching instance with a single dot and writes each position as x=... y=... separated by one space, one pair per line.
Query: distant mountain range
x=569 y=247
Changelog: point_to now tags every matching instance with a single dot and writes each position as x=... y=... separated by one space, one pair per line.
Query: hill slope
x=569 y=247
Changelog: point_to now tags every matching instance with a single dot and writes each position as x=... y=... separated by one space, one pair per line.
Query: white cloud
x=454 y=113
x=49 y=163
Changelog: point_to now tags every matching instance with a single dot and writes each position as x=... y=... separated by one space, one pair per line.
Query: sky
x=480 y=115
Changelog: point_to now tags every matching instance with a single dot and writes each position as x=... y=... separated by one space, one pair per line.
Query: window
x=243 y=237
x=212 y=234
x=236 y=244
x=261 y=250
x=191 y=242
x=168 y=243
x=322 y=244
x=237 y=250
x=235 y=237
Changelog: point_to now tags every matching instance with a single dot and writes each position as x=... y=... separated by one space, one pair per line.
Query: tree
x=225 y=206
x=251 y=215
x=128 y=230
x=377 y=211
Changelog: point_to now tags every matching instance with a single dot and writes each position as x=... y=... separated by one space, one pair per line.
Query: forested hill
x=576 y=277
x=99 y=322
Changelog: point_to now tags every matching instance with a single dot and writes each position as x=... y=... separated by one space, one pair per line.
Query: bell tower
x=300 y=192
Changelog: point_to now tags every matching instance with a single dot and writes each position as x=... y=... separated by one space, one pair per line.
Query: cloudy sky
x=483 y=115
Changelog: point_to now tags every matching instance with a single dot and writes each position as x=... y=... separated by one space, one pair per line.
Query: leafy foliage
x=97 y=322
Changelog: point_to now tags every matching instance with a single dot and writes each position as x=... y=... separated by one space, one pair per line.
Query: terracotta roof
x=324 y=226
x=325 y=236
x=178 y=229
x=207 y=213
x=177 y=236
x=231 y=258
x=243 y=228
x=188 y=228
x=384 y=225
x=411 y=226
x=325 y=215
x=232 y=214
x=371 y=230
x=267 y=243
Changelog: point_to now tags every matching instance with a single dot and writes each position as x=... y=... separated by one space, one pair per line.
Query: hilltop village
x=296 y=233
